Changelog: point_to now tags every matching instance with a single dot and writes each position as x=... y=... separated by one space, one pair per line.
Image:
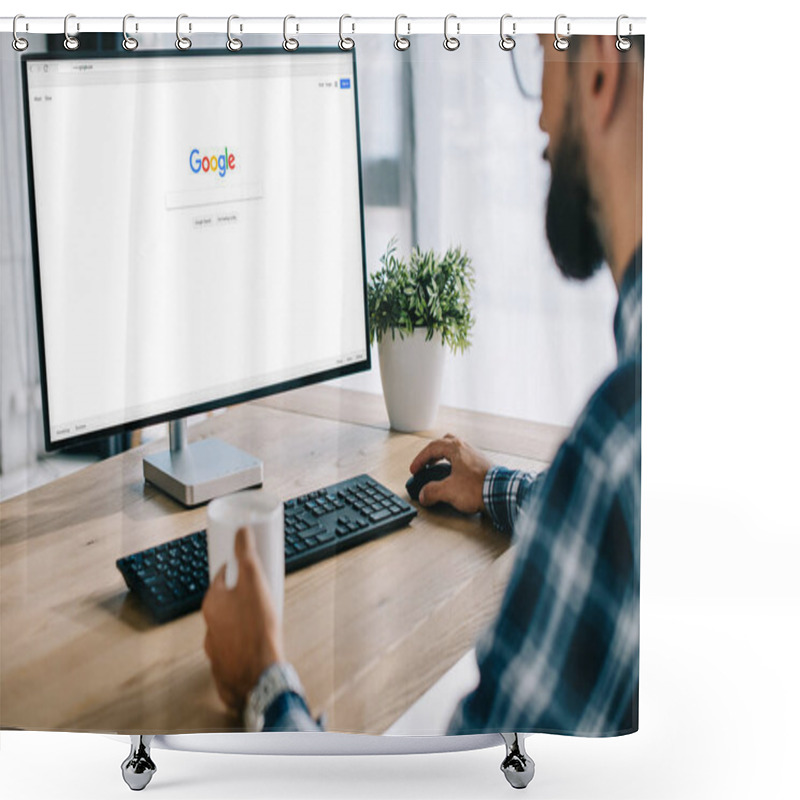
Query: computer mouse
x=434 y=472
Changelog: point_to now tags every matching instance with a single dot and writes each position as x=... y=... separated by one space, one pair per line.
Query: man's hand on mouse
x=243 y=635
x=463 y=489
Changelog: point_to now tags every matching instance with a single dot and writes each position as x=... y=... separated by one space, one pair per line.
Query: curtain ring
x=18 y=43
x=182 y=42
x=346 y=43
x=451 y=43
x=233 y=44
x=400 y=42
x=507 y=42
x=128 y=42
x=70 y=42
x=289 y=43
x=561 y=42
x=623 y=44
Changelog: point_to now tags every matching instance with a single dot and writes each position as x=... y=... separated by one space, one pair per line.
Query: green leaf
x=429 y=291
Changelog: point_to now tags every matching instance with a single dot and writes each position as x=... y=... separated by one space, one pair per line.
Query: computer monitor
x=198 y=241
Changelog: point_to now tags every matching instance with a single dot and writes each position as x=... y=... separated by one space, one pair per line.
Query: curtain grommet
x=71 y=43
x=507 y=43
x=623 y=44
x=182 y=42
x=401 y=42
x=451 y=43
x=18 y=43
x=561 y=43
x=346 y=42
x=128 y=42
x=289 y=43
x=233 y=44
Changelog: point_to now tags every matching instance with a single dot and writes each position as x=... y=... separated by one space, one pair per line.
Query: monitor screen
x=197 y=231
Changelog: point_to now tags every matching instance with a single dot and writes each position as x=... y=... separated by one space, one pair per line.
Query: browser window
x=198 y=227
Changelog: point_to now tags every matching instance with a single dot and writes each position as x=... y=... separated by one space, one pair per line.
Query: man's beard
x=571 y=231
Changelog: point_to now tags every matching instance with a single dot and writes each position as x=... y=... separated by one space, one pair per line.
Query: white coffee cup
x=263 y=514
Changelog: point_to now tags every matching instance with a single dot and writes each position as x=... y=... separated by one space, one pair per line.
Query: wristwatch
x=273 y=682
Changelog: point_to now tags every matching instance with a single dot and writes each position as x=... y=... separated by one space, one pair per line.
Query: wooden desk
x=369 y=631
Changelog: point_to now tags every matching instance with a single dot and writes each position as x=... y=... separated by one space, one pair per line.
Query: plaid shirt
x=563 y=653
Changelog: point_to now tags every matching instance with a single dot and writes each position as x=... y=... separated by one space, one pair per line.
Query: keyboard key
x=379 y=515
x=311 y=532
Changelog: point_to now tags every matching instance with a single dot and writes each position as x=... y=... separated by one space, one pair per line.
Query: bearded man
x=562 y=655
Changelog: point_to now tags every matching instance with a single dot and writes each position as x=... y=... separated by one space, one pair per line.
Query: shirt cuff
x=276 y=702
x=503 y=492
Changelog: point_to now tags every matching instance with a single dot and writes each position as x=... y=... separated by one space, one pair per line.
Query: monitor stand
x=198 y=472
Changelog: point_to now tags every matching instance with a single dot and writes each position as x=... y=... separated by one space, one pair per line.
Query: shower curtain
x=511 y=601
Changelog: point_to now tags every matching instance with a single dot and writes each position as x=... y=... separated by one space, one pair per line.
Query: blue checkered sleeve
x=505 y=491
x=562 y=654
x=289 y=712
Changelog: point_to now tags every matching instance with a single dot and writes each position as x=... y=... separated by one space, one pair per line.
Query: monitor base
x=198 y=472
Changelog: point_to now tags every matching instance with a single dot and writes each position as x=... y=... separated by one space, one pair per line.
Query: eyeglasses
x=527 y=59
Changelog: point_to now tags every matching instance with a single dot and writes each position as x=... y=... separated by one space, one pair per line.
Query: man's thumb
x=244 y=546
x=434 y=492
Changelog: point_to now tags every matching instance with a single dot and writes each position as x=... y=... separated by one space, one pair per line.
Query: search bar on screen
x=212 y=197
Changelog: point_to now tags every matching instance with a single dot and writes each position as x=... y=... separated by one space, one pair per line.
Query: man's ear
x=601 y=80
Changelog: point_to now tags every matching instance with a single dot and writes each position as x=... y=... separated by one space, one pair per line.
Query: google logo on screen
x=217 y=163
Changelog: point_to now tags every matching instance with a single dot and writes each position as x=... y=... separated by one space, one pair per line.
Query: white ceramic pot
x=411 y=374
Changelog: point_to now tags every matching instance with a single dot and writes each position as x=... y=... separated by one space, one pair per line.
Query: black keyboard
x=172 y=578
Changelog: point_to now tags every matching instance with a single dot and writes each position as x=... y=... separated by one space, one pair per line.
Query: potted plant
x=416 y=310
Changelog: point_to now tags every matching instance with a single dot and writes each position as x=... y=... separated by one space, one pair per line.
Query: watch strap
x=275 y=680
